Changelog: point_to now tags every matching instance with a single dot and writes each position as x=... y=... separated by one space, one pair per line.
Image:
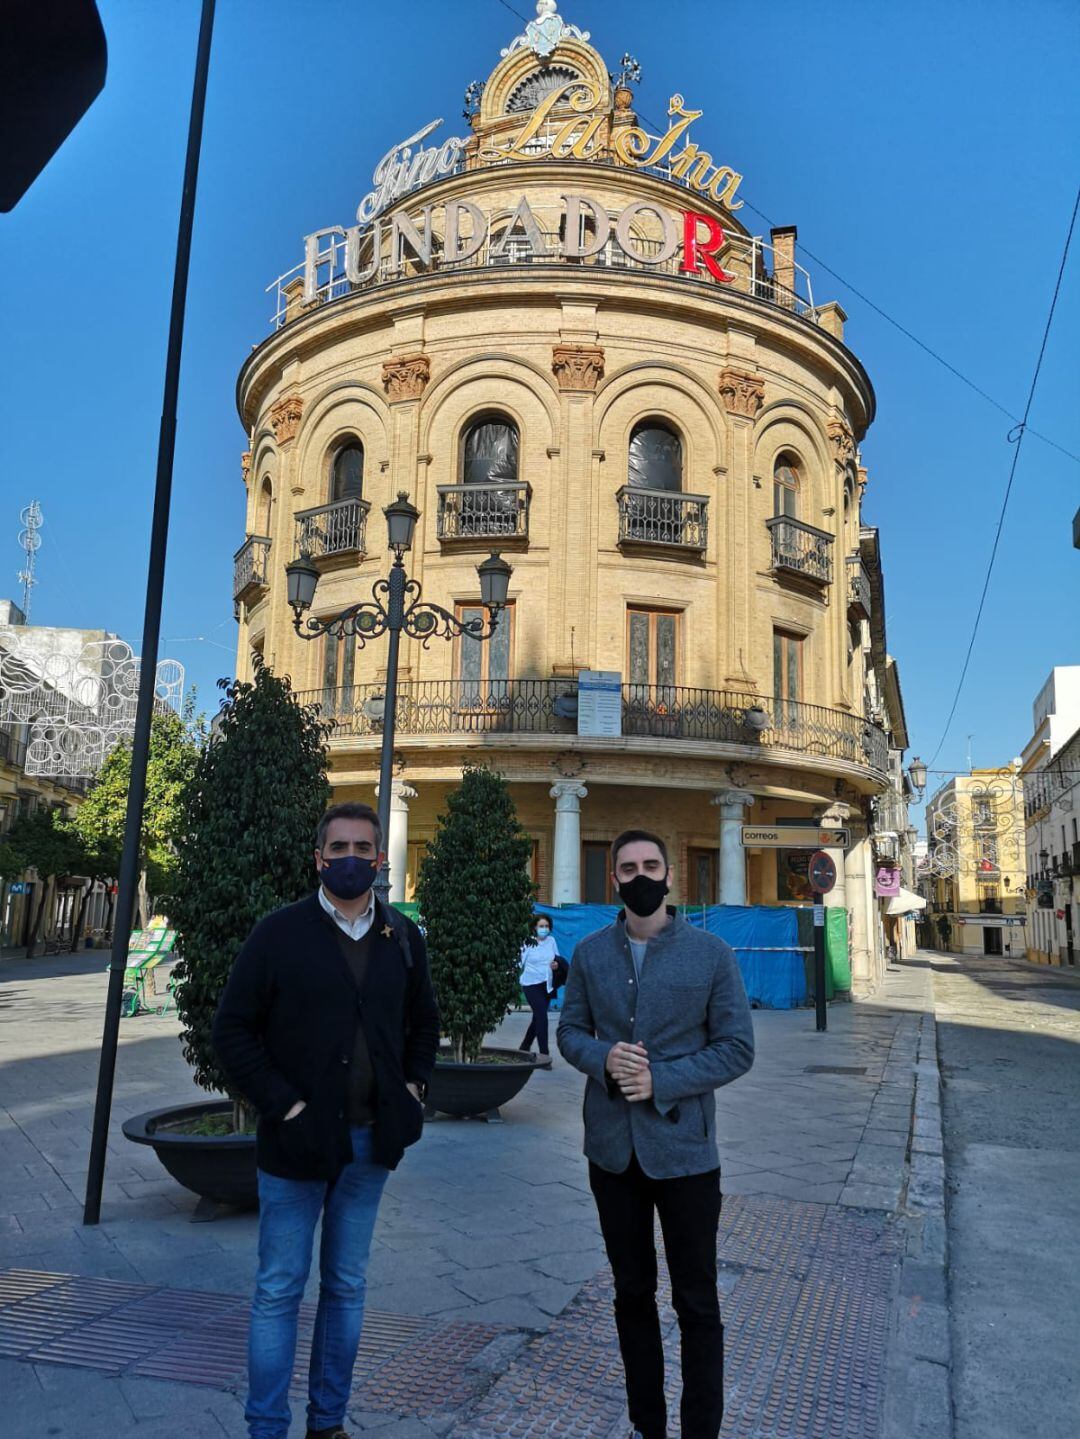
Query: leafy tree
x=40 y=841
x=175 y=742
x=249 y=815
x=476 y=897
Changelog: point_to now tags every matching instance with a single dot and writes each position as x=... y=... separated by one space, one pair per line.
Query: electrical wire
x=1019 y=432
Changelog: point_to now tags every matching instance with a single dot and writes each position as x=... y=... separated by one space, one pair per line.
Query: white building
x=1051 y=773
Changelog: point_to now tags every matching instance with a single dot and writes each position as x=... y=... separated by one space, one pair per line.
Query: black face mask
x=643 y=896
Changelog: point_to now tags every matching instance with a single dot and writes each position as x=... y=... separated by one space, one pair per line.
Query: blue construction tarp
x=765 y=941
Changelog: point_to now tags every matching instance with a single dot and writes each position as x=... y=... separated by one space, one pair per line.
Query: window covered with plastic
x=655 y=458
x=491 y=453
x=348 y=479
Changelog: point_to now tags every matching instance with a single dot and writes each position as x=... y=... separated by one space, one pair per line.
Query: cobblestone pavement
x=487 y=1263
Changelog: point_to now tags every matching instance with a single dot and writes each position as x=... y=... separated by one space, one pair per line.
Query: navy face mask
x=348 y=877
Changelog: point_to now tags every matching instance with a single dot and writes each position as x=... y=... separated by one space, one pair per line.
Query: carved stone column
x=733 y=804
x=397 y=841
x=566 y=862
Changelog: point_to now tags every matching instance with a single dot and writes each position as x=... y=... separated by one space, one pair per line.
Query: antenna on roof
x=30 y=540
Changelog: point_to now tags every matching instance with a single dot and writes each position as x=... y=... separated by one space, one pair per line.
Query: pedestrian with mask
x=539 y=963
x=655 y=1014
x=328 y=1027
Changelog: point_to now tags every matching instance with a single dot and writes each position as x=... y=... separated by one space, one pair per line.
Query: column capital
x=836 y=814
x=568 y=794
x=733 y=797
x=400 y=790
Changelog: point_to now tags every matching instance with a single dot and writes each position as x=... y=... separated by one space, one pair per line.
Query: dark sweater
x=286 y=1030
x=361 y=1074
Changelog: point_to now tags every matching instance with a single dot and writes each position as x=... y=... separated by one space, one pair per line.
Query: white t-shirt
x=536 y=961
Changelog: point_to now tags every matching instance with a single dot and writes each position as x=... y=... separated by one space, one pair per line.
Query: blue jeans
x=288 y=1212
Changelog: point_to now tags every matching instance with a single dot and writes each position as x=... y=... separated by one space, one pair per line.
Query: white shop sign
x=992 y=921
x=599 y=702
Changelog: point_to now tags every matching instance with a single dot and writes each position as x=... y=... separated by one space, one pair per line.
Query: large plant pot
x=471 y=1089
x=218 y=1167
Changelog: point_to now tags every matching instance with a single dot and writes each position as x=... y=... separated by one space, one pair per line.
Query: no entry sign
x=821 y=872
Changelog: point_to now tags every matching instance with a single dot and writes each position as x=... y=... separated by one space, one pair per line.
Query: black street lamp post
x=397 y=605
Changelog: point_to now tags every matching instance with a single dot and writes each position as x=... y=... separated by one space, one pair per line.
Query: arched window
x=786 y=487
x=656 y=459
x=489 y=454
x=265 y=508
x=347 y=475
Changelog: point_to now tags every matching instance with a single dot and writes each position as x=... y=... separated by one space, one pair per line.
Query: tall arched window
x=655 y=459
x=786 y=487
x=347 y=475
x=265 y=508
x=489 y=454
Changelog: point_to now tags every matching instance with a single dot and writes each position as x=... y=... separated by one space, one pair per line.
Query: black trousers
x=537 y=995
x=689 y=1210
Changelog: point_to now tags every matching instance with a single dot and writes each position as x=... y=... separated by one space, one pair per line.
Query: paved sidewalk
x=487 y=1239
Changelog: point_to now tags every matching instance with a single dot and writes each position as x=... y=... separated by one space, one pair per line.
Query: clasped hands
x=628 y=1065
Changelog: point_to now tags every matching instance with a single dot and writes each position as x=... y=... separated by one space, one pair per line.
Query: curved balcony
x=549 y=707
x=663 y=519
x=334 y=532
x=250 y=568
x=800 y=551
x=478 y=513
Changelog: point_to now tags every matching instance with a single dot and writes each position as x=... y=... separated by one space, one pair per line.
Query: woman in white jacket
x=538 y=965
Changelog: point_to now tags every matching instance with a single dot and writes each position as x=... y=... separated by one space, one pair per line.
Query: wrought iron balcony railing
x=800 y=549
x=858 y=587
x=251 y=566
x=663 y=517
x=335 y=529
x=483 y=512
x=549 y=707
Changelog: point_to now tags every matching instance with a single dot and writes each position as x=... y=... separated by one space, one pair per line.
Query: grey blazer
x=690 y=1012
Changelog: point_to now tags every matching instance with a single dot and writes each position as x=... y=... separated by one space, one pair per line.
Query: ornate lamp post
x=397 y=604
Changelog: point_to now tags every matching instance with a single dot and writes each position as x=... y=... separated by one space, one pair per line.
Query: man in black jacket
x=328 y=1025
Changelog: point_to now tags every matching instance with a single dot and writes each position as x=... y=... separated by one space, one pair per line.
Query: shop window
x=596 y=886
x=786 y=483
x=655 y=461
x=482 y=667
x=347 y=478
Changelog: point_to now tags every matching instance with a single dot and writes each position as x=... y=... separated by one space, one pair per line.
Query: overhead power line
x=1016 y=437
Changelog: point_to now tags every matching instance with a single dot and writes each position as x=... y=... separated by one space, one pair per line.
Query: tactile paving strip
x=805 y=1321
x=197 y=1338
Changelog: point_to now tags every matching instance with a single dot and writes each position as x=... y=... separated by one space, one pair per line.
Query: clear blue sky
x=927 y=152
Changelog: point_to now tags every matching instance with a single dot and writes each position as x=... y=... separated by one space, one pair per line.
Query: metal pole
x=395 y=612
x=155 y=581
x=819 y=960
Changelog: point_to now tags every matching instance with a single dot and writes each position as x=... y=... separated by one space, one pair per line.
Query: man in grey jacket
x=655 y=1014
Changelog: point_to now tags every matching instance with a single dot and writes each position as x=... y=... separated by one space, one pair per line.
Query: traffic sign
x=794 y=836
x=821 y=872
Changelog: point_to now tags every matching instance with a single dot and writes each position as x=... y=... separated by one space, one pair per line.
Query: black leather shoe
x=335 y=1433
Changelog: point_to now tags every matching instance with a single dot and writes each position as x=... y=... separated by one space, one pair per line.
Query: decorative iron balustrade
x=800 y=549
x=858 y=587
x=333 y=529
x=549 y=707
x=483 y=512
x=251 y=565
x=663 y=517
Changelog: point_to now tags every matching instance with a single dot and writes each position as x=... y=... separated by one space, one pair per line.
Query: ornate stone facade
x=842 y=440
x=285 y=418
x=245 y=465
x=405 y=377
x=741 y=393
x=578 y=367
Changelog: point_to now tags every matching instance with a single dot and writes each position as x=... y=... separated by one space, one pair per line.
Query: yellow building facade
x=976 y=862
x=562 y=342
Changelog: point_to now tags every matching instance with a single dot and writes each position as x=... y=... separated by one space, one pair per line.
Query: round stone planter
x=217 y=1167
x=478 y=1089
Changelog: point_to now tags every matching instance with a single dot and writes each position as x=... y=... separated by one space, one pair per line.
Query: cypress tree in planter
x=476 y=902
x=248 y=822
